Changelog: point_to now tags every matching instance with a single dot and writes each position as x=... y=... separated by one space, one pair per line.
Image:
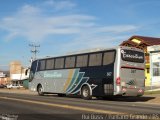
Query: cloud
x=87 y=41
x=118 y=28
x=31 y=23
x=35 y=24
x=60 y=5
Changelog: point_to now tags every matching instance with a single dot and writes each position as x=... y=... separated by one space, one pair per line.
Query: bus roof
x=90 y=51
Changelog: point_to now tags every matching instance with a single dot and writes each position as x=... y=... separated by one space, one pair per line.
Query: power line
x=34 y=50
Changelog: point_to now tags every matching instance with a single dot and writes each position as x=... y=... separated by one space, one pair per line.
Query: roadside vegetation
x=152 y=92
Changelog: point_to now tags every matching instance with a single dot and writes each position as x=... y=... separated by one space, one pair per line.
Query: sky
x=66 y=26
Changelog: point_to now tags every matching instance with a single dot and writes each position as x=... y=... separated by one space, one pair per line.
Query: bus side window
x=59 y=63
x=108 y=57
x=50 y=64
x=41 y=65
x=95 y=59
x=70 y=62
x=82 y=61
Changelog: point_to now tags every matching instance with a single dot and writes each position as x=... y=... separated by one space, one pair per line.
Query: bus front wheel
x=40 y=90
x=86 y=93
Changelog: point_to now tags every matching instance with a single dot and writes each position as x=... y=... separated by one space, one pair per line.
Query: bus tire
x=86 y=93
x=40 y=90
x=61 y=95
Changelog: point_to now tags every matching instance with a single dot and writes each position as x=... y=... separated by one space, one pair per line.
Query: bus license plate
x=132 y=87
x=133 y=71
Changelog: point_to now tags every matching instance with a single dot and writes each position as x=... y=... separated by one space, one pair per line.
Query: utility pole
x=34 y=50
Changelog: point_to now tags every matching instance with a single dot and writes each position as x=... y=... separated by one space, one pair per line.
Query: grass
x=151 y=92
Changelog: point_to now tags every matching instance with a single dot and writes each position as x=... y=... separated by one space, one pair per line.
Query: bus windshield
x=132 y=56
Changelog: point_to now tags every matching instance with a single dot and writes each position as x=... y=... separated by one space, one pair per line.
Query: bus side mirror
x=26 y=72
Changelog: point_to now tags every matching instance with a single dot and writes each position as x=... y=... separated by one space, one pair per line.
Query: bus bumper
x=132 y=92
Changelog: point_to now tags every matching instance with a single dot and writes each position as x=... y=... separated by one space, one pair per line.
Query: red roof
x=148 y=40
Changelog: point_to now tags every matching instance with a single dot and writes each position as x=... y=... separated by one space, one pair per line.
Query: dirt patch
x=17 y=91
x=156 y=99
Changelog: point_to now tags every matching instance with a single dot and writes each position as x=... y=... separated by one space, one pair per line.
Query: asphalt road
x=52 y=107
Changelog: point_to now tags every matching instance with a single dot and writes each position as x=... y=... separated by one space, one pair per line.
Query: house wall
x=15 y=67
x=5 y=80
x=17 y=73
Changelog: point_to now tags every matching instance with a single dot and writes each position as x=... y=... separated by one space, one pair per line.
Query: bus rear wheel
x=61 y=95
x=86 y=93
x=40 y=90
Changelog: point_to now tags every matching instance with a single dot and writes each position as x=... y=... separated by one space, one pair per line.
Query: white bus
x=108 y=72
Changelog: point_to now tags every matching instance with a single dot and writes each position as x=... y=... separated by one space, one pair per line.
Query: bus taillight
x=140 y=91
x=118 y=81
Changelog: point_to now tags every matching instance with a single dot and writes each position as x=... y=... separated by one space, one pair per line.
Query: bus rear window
x=132 y=56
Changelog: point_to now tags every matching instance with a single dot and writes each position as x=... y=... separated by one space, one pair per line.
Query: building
x=4 y=77
x=17 y=72
x=154 y=52
x=143 y=42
